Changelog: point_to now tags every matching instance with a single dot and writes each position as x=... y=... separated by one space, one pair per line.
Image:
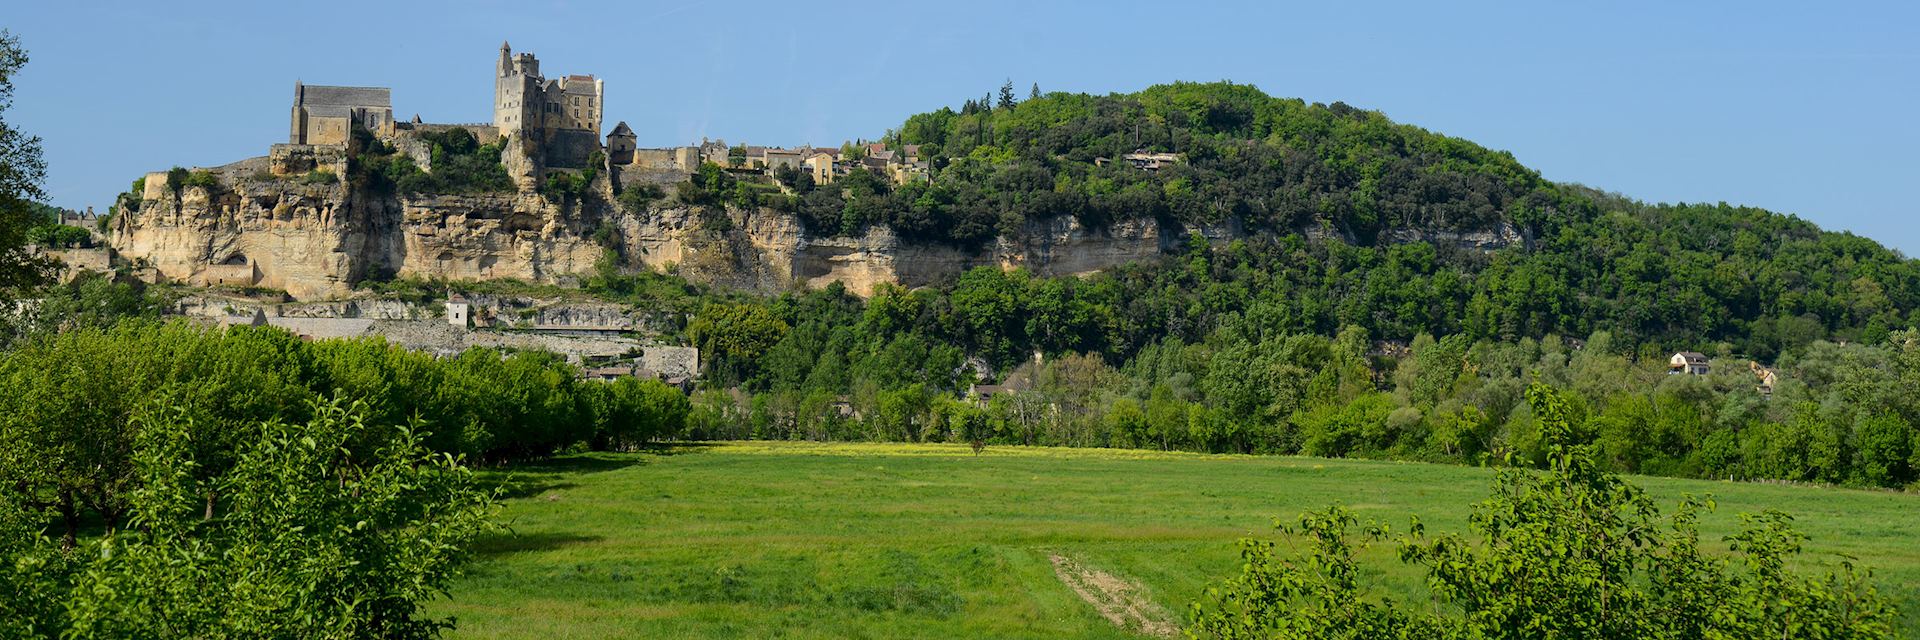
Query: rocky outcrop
x=771 y=250
x=315 y=241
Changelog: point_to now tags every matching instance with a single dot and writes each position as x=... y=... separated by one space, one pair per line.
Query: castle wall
x=486 y=134
x=327 y=130
x=675 y=159
x=298 y=159
x=238 y=275
x=570 y=148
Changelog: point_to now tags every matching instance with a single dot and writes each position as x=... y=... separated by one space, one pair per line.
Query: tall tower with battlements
x=557 y=122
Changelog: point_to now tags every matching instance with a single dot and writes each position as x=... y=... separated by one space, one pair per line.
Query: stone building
x=620 y=144
x=324 y=115
x=1688 y=362
x=555 y=122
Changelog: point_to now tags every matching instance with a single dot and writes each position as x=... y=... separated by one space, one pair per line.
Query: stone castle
x=299 y=221
x=556 y=122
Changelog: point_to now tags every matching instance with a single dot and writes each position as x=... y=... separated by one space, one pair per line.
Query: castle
x=548 y=124
x=556 y=122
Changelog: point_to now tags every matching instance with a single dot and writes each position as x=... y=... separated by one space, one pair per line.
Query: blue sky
x=1795 y=107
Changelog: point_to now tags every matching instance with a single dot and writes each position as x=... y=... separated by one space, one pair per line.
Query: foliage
x=201 y=178
x=319 y=176
x=732 y=337
x=67 y=400
x=636 y=198
x=59 y=236
x=332 y=528
x=709 y=185
x=1248 y=379
x=1576 y=553
x=21 y=171
x=645 y=289
x=90 y=300
x=460 y=165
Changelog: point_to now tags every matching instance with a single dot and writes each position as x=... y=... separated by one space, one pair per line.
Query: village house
x=459 y=312
x=1767 y=377
x=1688 y=362
x=822 y=166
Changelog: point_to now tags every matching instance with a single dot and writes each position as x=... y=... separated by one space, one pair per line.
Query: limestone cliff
x=316 y=240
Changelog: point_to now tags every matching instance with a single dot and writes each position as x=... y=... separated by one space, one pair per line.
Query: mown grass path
x=800 y=540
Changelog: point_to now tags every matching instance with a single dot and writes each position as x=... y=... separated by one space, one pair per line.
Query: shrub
x=202 y=178
x=59 y=236
x=636 y=198
x=1574 y=553
x=383 y=525
x=319 y=176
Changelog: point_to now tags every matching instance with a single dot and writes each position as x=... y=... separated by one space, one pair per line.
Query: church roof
x=322 y=95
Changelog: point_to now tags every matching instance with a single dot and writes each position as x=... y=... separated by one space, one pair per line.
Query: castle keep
x=555 y=121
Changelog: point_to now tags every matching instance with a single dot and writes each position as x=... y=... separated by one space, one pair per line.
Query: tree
x=1573 y=553
x=333 y=528
x=1006 y=95
x=1035 y=93
x=90 y=300
x=21 y=172
x=733 y=337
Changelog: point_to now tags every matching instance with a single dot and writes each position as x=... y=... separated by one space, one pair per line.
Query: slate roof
x=580 y=85
x=621 y=130
x=314 y=95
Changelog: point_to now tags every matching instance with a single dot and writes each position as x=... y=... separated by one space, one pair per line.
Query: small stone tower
x=620 y=144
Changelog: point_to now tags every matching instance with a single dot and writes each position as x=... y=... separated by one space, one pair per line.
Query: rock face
x=315 y=241
x=770 y=250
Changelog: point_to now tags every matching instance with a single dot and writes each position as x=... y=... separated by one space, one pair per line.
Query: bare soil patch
x=1117 y=599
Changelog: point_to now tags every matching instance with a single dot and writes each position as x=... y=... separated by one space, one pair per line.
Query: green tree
x=318 y=537
x=21 y=172
x=733 y=337
x=1572 y=553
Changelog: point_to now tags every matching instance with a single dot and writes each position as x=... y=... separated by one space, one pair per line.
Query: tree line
x=1251 y=378
x=71 y=403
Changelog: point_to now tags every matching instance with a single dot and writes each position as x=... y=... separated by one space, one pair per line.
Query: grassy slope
x=760 y=540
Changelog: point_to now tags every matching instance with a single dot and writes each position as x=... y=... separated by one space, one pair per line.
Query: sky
x=1801 y=108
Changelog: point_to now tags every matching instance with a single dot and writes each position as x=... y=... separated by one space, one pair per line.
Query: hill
x=1193 y=266
x=1352 y=219
x=816 y=541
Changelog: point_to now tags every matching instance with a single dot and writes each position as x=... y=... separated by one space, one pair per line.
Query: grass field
x=796 y=540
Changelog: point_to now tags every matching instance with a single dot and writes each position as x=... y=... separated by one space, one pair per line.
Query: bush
x=59 y=236
x=319 y=176
x=202 y=178
x=636 y=198
x=1574 y=553
x=382 y=525
x=71 y=421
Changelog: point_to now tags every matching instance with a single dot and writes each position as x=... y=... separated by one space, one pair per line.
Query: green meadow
x=802 y=540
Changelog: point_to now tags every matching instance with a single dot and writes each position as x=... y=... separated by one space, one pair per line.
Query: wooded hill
x=1670 y=276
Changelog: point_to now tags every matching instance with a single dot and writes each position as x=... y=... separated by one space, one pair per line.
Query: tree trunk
x=70 y=516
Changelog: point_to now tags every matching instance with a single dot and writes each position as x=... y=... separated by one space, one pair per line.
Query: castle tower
x=551 y=123
x=620 y=144
x=513 y=111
